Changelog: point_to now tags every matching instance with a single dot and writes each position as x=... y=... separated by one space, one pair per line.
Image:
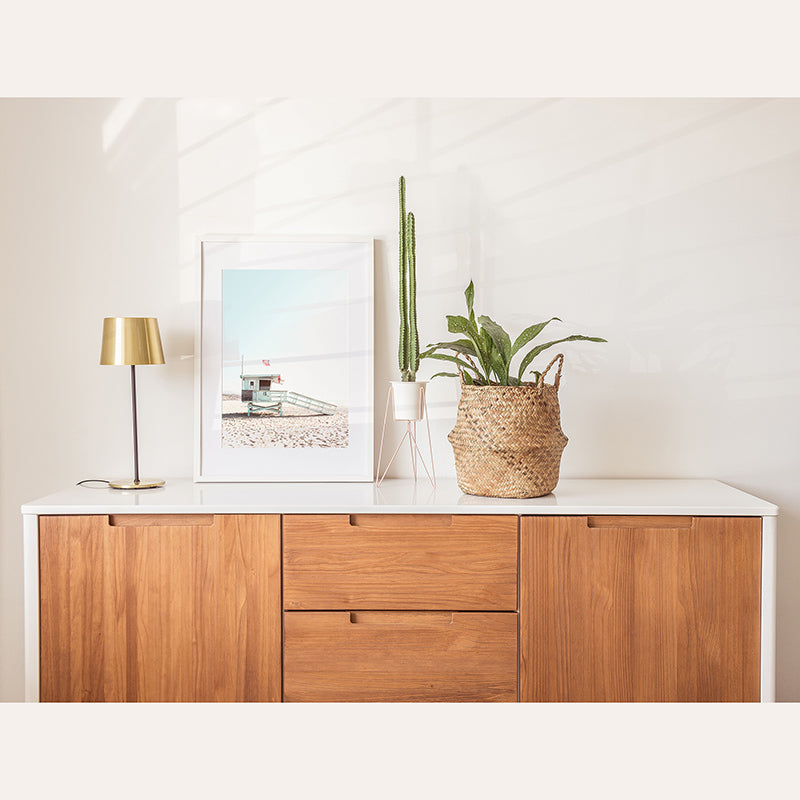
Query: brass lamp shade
x=131 y=340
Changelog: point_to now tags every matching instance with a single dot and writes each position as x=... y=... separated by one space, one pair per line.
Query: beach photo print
x=300 y=398
x=285 y=368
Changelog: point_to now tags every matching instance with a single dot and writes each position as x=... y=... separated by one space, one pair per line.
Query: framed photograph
x=284 y=384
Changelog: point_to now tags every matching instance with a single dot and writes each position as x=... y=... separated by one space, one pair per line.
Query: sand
x=296 y=428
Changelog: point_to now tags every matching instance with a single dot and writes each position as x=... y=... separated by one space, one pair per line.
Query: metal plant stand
x=411 y=435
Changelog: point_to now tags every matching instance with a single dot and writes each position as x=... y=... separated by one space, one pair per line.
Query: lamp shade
x=131 y=340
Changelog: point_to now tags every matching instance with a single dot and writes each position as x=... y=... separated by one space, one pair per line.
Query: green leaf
x=500 y=368
x=445 y=375
x=463 y=346
x=487 y=342
x=530 y=333
x=459 y=324
x=492 y=356
x=542 y=347
x=500 y=338
x=469 y=293
x=451 y=359
x=467 y=378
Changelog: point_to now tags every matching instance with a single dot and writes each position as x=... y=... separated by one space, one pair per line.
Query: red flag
x=265 y=362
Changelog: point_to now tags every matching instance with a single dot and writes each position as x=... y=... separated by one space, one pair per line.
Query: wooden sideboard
x=606 y=590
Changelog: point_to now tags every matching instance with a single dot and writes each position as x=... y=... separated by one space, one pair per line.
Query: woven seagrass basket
x=507 y=440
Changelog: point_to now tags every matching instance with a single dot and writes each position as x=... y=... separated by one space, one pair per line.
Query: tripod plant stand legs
x=410 y=435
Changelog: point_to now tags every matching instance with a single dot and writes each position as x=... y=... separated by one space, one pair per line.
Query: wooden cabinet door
x=160 y=608
x=400 y=656
x=640 y=609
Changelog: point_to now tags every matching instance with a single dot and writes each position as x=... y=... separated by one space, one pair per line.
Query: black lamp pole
x=135 y=427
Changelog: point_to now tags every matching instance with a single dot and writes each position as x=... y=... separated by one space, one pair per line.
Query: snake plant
x=483 y=357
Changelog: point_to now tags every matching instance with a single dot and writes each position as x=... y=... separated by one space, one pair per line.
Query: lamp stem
x=135 y=427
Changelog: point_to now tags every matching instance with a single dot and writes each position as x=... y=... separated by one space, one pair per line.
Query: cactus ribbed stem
x=413 y=337
x=408 y=349
x=403 y=352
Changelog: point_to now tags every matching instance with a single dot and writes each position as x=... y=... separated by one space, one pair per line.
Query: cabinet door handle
x=399 y=618
x=160 y=520
x=389 y=521
x=639 y=522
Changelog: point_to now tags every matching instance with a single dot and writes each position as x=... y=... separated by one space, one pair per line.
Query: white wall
x=671 y=227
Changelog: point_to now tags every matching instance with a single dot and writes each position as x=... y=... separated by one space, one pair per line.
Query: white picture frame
x=284 y=359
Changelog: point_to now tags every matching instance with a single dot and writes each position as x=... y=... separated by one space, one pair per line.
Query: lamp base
x=129 y=483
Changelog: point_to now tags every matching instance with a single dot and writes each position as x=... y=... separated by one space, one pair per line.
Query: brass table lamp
x=132 y=340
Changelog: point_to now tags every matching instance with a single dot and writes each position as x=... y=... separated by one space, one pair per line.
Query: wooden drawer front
x=385 y=656
x=425 y=562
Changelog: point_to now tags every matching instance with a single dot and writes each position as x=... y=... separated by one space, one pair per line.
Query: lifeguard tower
x=259 y=395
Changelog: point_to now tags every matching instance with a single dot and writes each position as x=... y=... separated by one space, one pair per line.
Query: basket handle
x=557 y=381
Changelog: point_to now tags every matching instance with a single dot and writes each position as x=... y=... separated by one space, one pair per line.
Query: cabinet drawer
x=404 y=561
x=391 y=656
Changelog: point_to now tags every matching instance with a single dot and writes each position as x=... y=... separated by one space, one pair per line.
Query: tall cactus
x=408 y=350
x=413 y=336
x=402 y=355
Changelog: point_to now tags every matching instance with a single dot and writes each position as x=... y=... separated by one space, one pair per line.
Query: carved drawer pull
x=160 y=520
x=639 y=522
x=415 y=618
x=405 y=521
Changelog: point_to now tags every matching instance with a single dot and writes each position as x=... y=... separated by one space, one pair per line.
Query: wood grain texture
x=385 y=522
x=162 y=520
x=642 y=614
x=206 y=605
x=82 y=640
x=639 y=521
x=197 y=608
x=329 y=564
x=411 y=656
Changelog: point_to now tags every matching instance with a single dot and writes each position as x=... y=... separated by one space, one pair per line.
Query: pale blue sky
x=296 y=319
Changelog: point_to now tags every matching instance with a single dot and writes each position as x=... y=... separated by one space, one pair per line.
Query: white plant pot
x=409 y=400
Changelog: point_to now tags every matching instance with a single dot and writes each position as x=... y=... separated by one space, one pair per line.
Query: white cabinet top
x=577 y=496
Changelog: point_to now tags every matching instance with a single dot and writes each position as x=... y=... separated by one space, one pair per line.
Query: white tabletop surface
x=698 y=497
